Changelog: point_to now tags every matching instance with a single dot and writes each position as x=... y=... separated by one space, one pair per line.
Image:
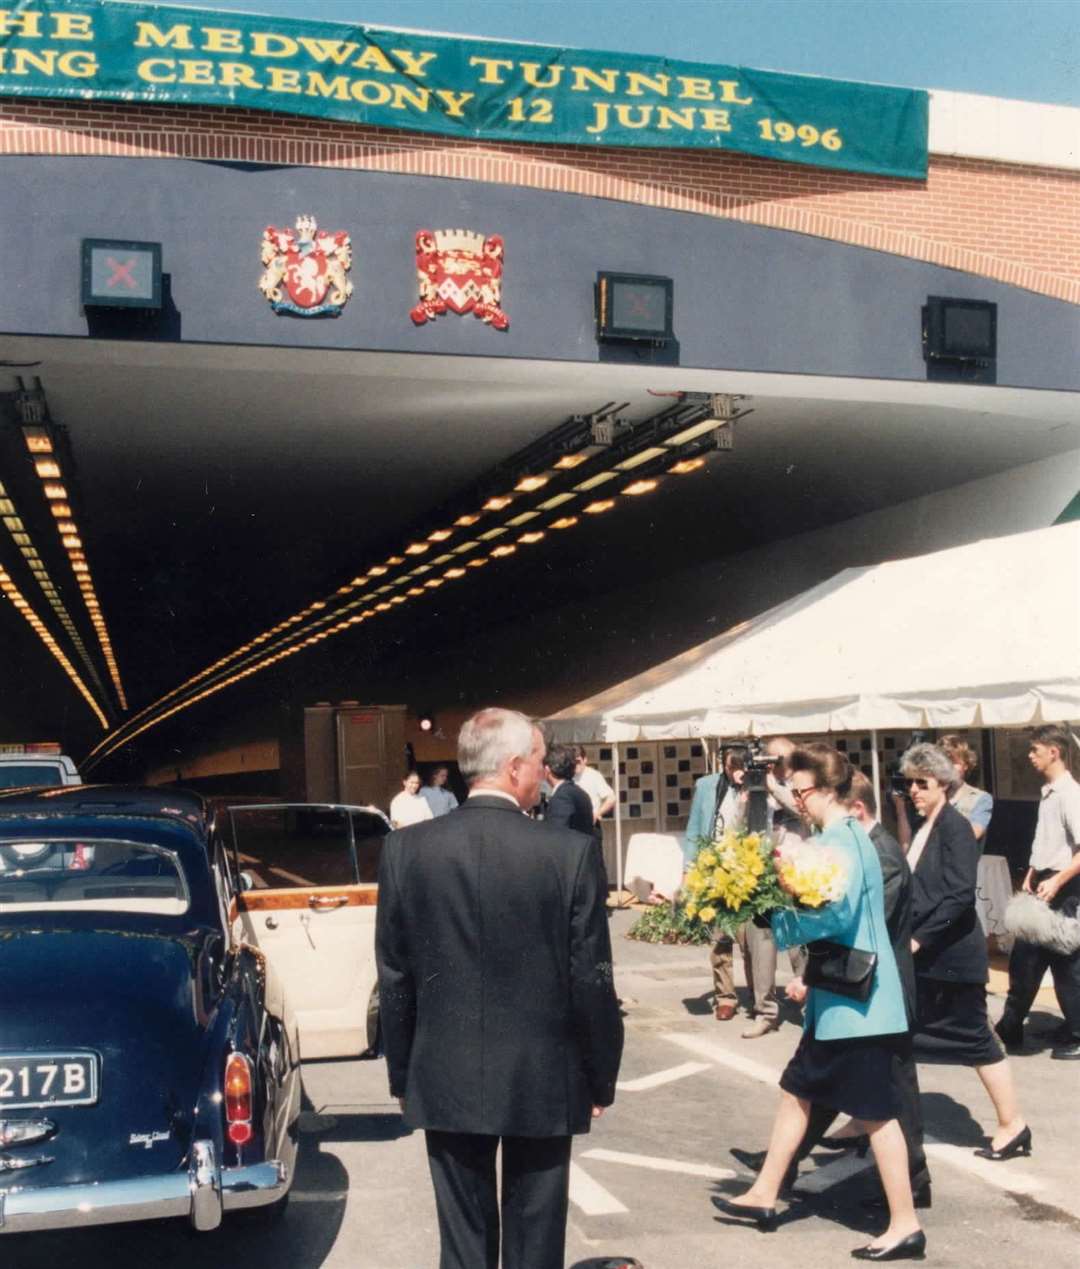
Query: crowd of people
x=915 y=907
x=500 y=1034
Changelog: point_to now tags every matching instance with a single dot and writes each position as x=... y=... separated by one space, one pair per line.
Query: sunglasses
x=919 y=782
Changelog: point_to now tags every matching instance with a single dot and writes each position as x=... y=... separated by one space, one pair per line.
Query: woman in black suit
x=951 y=965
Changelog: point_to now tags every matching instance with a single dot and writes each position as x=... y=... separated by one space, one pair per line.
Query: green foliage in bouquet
x=732 y=880
x=668 y=923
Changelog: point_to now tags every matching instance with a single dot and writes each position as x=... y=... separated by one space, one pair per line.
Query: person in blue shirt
x=717 y=804
x=437 y=795
x=845 y=1057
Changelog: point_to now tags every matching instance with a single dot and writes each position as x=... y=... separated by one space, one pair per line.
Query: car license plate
x=48 y=1079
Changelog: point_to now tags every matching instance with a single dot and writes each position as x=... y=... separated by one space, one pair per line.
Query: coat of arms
x=460 y=271
x=305 y=269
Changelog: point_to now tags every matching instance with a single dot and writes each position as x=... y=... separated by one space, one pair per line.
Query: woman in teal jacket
x=845 y=1057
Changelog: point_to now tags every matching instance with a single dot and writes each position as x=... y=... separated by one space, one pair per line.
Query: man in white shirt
x=437 y=795
x=1054 y=877
x=408 y=807
x=601 y=794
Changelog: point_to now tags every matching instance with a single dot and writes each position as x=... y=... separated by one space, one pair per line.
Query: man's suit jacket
x=896 y=899
x=496 y=993
x=952 y=945
x=570 y=807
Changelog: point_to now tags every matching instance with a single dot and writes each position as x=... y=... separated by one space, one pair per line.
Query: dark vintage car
x=149 y=1064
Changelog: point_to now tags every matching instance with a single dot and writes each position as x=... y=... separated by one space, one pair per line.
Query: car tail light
x=238 y=1099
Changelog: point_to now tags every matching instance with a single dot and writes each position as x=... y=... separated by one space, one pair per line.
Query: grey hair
x=930 y=760
x=489 y=739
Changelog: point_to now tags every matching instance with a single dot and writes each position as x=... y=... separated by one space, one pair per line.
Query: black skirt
x=853 y=1076
x=952 y=1027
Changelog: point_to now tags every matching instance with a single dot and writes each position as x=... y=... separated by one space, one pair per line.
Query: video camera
x=898 y=785
x=749 y=756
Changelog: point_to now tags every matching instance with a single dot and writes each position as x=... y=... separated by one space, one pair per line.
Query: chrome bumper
x=201 y=1194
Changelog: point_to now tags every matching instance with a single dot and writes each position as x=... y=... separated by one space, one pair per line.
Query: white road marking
x=1006 y=1176
x=645 y=966
x=669 y=980
x=1009 y=1179
x=673 y=1073
x=590 y=1196
x=661 y=1165
x=717 y=1053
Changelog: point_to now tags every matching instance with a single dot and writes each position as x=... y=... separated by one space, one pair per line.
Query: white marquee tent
x=984 y=635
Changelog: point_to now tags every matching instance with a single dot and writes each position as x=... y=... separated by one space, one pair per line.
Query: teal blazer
x=857 y=919
x=702 y=809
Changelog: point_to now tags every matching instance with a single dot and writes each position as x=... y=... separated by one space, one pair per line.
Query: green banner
x=455 y=86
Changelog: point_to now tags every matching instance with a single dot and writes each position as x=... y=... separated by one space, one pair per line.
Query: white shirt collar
x=495 y=793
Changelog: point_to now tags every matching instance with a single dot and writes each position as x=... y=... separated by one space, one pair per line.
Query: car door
x=307 y=900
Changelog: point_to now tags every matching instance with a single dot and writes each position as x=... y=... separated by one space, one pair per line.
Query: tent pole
x=618 y=823
x=876 y=768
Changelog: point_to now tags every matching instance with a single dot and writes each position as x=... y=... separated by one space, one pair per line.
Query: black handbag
x=845 y=971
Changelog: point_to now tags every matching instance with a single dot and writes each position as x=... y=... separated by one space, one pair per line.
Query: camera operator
x=719 y=804
x=750 y=792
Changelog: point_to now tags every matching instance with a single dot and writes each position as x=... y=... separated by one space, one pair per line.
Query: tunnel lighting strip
x=304 y=629
x=12 y=593
x=15 y=526
x=49 y=472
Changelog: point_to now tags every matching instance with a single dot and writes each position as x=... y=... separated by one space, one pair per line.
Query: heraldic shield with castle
x=461 y=272
x=311 y=264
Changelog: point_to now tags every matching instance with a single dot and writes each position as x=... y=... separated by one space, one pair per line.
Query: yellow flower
x=708 y=915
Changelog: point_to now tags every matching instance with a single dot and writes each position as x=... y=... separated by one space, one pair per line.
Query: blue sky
x=1028 y=49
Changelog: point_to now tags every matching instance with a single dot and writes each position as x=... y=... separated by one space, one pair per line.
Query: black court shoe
x=1020 y=1145
x=763 y=1217
x=913 y=1247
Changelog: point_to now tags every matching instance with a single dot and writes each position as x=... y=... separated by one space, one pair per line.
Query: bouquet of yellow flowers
x=732 y=880
x=811 y=874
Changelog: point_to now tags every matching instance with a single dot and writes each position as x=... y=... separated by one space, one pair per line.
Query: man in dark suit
x=498 y=1008
x=897 y=884
x=569 y=805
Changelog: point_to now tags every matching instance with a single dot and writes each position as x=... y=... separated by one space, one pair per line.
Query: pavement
x=690 y=1088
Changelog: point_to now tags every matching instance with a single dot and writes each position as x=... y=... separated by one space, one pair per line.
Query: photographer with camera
x=719 y=804
x=749 y=793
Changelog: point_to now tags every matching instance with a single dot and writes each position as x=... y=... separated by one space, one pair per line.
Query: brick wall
x=1014 y=223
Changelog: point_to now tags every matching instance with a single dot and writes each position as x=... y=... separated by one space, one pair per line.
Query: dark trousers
x=905 y=1080
x=1028 y=963
x=535 y=1195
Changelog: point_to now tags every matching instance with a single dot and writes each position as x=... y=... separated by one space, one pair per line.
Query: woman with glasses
x=846 y=1054
x=975 y=805
x=951 y=965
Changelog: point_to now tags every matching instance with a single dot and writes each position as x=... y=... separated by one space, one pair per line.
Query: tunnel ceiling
x=217 y=490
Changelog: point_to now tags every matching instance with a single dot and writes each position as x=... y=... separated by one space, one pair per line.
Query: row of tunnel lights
x=12 y=592
x=47 y=467
x=291 y=627
x=13 y=522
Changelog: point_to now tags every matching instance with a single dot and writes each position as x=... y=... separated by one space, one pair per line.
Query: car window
x=369 y=830
x=288 y=847
x=90 y=874
x=18 y=775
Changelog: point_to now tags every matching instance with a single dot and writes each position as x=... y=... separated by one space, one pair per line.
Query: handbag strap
x=865 y=887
